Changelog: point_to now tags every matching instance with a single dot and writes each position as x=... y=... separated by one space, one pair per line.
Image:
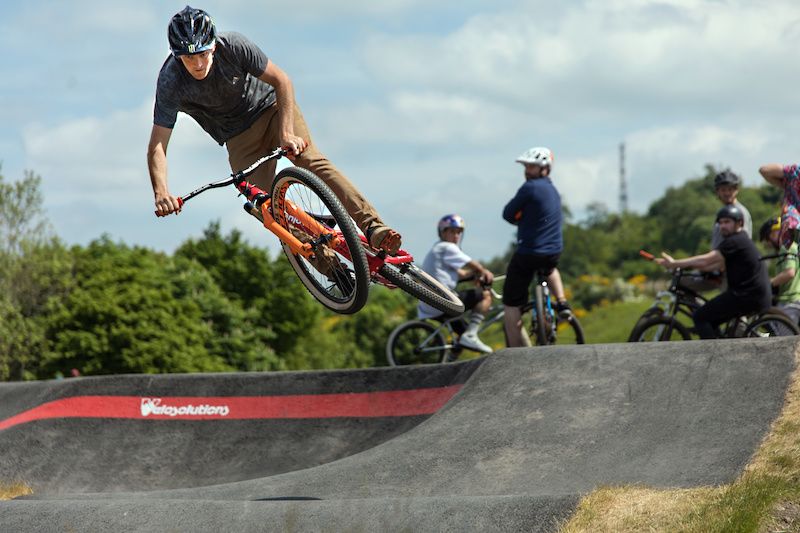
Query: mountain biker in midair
x=245 y=102
x=536 y=209
x=748 y=282
x=448 y=264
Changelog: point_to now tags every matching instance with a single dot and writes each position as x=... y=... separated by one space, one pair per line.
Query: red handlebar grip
x=180 y=204
x=646 y=255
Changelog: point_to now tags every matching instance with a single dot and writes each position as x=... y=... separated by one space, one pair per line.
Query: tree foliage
x=221 y=304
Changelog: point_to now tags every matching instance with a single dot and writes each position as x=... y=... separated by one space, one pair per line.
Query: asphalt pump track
x=506 y=442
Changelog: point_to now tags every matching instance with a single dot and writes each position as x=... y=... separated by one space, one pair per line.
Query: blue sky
x=424 y=105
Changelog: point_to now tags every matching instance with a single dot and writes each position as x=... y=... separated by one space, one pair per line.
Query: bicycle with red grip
x=661 y=322
x=331 y=257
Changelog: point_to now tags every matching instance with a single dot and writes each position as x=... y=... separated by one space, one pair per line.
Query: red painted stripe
x=364 y=404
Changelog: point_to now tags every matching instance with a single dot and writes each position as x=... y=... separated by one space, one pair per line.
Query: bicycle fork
x=297 y=218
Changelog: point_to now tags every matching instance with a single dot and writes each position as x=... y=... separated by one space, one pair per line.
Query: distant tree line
x=221 y=304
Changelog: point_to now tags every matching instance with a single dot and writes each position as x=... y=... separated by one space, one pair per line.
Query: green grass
x=613 y=322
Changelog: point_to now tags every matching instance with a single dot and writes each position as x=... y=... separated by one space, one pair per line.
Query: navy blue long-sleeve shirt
x=540 y=220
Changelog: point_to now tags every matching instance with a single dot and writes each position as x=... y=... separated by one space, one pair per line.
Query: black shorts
x=471 y=298
x=520 y=273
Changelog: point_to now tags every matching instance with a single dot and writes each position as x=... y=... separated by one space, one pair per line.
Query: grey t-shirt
x=224 y=103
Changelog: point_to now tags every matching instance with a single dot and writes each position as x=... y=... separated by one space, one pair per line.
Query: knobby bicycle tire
x=339 y=282
x=407 y=344
x=423 y=287
x=659 y=328
x=772 y=325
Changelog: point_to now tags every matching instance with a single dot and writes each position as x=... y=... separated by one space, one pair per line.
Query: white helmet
x=537 y=156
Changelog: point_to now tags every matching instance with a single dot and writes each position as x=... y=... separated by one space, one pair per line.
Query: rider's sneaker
x=563 y=309
x=384 y=238
x=472 y=342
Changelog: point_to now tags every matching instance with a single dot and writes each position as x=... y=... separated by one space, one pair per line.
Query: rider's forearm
x=712 y=260
x=285 y=102
x=157 y=165
x=782 y=277
x=773 y=174
x=284 y=99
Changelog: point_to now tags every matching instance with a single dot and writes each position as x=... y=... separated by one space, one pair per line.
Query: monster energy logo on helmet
x=191 y=31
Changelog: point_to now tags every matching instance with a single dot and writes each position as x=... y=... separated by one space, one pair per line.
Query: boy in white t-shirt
x=449 y=264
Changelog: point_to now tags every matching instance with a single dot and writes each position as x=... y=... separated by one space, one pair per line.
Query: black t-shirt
x=224 y=103
x=747 y=274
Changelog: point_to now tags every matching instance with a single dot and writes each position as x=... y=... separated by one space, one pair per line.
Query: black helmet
x=191 y=31
x=774 y=223
x=730 y=211
x=726 y=177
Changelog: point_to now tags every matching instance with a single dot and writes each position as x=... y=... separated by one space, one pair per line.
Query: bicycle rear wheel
x=416 y=343
x=659 y=328
x=338 y=278
x=423 y=287
x=772 y=325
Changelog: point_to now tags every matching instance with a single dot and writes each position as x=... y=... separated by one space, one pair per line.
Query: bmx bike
x=422 y=342
x=331 y=257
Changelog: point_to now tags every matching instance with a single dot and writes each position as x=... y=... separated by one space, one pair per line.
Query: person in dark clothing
x=536 y=210
x=749 y=290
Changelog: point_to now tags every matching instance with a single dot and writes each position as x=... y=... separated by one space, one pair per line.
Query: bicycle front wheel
x=337 y=276
x=423 y=287
x=772 y=325
x=569 y=331
x=416 y=343
x=659 y=328
x=539 y=321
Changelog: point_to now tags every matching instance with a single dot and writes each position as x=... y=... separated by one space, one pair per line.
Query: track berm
x=506 y=442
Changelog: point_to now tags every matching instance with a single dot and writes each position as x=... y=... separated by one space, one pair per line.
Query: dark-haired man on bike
x=536 y=209
x=748 y=282
x=244 y=101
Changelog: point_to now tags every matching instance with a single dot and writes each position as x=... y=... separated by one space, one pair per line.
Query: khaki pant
x=264 y=136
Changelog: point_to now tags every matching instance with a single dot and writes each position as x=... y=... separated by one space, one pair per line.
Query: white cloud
x=424 y=106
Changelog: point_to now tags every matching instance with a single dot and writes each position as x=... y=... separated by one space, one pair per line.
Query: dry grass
x=9 y=490
x=765 y=499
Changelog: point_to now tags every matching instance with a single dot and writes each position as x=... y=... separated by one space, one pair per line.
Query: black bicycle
x=661 y=321
x=423 y=342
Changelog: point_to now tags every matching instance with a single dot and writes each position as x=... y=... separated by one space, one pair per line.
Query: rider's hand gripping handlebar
x=180 y=204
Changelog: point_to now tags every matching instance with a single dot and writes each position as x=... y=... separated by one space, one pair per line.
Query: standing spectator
x=726 y=186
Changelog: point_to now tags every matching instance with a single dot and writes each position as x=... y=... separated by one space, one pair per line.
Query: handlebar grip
x=646 y=255
x=180 y=204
